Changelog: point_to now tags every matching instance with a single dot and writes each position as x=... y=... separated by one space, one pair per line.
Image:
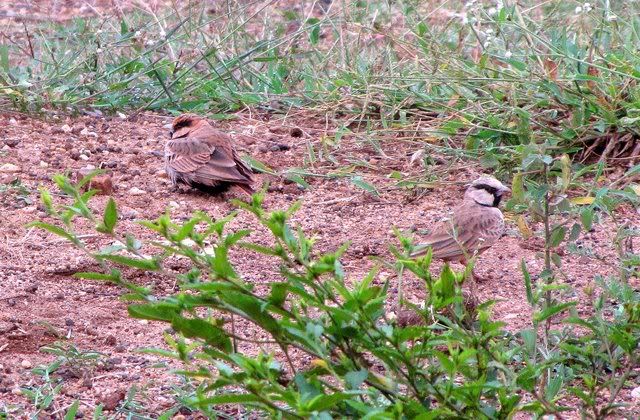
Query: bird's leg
x=471 y=298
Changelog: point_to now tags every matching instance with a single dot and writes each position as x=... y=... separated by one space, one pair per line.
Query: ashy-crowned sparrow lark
x=200 y=156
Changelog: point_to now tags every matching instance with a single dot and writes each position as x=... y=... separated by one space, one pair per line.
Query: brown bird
x=200 y=156
x=476 y=224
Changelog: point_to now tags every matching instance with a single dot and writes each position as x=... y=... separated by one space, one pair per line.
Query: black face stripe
x=491 y=190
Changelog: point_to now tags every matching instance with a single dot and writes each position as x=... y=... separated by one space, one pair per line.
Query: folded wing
x=469 y=231
x=199 y=162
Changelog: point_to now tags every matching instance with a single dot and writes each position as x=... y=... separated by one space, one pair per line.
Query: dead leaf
x=582 y=201
x=523 y=227
x=552 y=69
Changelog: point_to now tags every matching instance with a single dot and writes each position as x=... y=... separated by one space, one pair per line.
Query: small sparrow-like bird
x=474 y=227
x=200 y=156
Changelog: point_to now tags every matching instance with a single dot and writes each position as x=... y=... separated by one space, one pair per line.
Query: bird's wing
x=471 y=229
x=205 y=163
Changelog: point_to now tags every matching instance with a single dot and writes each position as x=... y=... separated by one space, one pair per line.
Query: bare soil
x=41 y=303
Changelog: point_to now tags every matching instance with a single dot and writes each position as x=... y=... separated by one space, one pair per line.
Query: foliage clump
x=359 y=360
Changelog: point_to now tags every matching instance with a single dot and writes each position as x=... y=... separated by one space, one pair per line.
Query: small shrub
x=332 y=348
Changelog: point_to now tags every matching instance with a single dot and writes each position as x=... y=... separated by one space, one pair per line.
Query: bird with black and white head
x=475 y=225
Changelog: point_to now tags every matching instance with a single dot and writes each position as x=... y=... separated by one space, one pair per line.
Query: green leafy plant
x=314 y=343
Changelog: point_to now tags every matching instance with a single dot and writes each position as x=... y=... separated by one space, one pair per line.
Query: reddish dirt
x=39 y=299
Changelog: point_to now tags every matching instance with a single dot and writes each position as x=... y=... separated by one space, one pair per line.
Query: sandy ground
x=39 y=299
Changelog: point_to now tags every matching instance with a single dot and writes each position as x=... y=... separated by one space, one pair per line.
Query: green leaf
x=258 y=166
x=227 y=399
x=297 y=179
x=527 y=282
x=150 y=264
x=155 y=311
x=517 y=188
x=4 y=58
x=354 y=379
x=110 y=217
x=557 y=236
x=323 y=402
x=47 y=201
x=278 y=294
x=314 y=32
x=199 y=328
x=253 y=309
x=551 y=311
x=575 y=232
x=71 y=412
x=360 y=183
x=586 y=216
x=54 y=229
x=113 y=277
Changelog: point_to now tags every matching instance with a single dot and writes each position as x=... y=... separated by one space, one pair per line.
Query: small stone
x=635 y=393
x=103 y=184
x=26 y=364
x=296 y=132
x=137 y=191
x=44 y=164
x=8 y=168
x=110 y=340
x=144 y=322
x=173 y=204
x=162 y=174
x=66 y=129
x=29 y=210
x=83 y=157
x=32 y=288
x=86 y=132
x=16 y=391
x=12 y=121
x=12 y=142
x=6 y=148
x=111 y=400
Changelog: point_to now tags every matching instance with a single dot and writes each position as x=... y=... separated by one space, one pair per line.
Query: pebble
x=12 y=121
x=16 y=391
x=102 y=183
x=635 y=393
x=44 y=164
x=137 y=191
x=9 y=168
x=6 y=147
x=173 y=204
x=26 y=364
x=66 y=129
x=83 y=157
x=86 y=132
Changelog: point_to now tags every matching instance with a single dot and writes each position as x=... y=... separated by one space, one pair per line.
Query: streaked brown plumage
x=200 y=156
x=476 y=224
